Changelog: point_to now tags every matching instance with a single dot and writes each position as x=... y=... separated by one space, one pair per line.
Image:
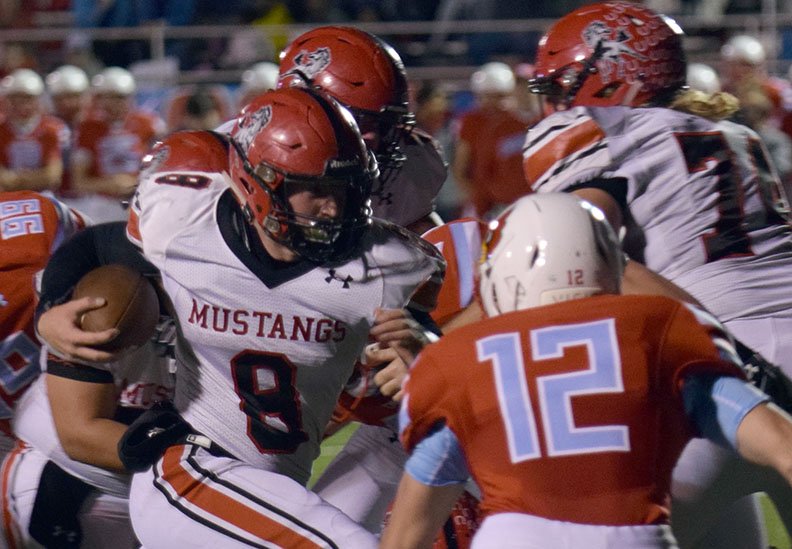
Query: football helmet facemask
x=608 y=54
x=548 y=248
x=363 y=73
x=290 y=140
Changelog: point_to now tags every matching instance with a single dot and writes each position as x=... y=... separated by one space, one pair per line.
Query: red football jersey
x=572 y=411
x=117 y=148
x=31 y=227
x=33 y=147
x=496 y=138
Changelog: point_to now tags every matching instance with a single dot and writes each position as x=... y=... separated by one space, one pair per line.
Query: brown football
x=132 y=305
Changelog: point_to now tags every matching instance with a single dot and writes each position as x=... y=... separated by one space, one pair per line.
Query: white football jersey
x=704 y=206
x=264 y=351
x=141 y=377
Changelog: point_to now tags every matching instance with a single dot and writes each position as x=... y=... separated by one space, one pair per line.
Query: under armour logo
x=334 y=276
x=3 y=302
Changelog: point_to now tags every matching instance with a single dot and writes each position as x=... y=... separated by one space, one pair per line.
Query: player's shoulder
x=192 y=151
x=445 y=234
x=392 y=243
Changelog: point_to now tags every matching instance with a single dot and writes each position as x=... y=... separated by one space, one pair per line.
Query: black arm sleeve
x=92 y=247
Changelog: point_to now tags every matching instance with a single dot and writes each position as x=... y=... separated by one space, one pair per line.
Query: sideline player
x=261 y=365
x=31 y=142
x=567 y=404
x=698 y=201
x=109 y=145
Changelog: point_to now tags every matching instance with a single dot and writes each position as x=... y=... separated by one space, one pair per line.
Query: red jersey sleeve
x=430 y=397
x=696 y=343
x=460 y=243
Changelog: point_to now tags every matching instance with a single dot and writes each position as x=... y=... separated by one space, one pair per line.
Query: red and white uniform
x=33 y=145
x=702 y=207
x=570 y=412
x=264 y=357
x=112 y=148
x=142 y=378
x=31 y=227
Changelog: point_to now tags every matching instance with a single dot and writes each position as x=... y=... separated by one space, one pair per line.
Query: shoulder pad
x=412 y=238
x=202 y=151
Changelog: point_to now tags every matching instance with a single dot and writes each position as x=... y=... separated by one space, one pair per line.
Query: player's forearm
x=418 y=513
x=765 y=437
x=95 y=443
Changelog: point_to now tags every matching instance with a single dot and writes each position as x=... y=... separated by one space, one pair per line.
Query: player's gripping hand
x=60 y=328
x=395 y=328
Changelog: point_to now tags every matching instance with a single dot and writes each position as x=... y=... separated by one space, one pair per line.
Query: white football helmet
x=744 y=48
x=114 y=80
x=260 y=77
x=67 y=79
x=22 y=81
x=548 y=248
x=493 y=77
x=703 y=78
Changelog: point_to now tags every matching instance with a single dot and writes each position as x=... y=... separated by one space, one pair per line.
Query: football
x=132 y=305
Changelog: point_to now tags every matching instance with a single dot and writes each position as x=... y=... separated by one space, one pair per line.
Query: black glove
x=766 y=376
x=150 y=435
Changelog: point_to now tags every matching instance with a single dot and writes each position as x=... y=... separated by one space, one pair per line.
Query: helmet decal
x=250 y=124
x=311 y=63
x=614 y=47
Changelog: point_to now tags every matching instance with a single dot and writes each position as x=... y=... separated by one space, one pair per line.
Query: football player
x=109 y=145
x=570 y=403
x=31 y=142
x=696 y=196
x=278 y=277
x=32 y=226
x=367 y=75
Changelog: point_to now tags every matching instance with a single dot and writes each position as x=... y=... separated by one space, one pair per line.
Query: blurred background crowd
x=89 y=84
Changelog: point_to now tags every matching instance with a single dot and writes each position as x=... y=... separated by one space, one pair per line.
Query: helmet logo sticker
x=251 y=124
x=614 y=47
x=311 y=63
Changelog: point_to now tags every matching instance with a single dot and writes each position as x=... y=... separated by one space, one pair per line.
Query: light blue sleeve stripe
x=438 y=460
x=465 y=262
x=717 y=405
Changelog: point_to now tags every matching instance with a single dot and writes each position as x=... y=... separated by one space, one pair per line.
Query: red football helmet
x=363 y=73
x=288 y=140
x=611 y=53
